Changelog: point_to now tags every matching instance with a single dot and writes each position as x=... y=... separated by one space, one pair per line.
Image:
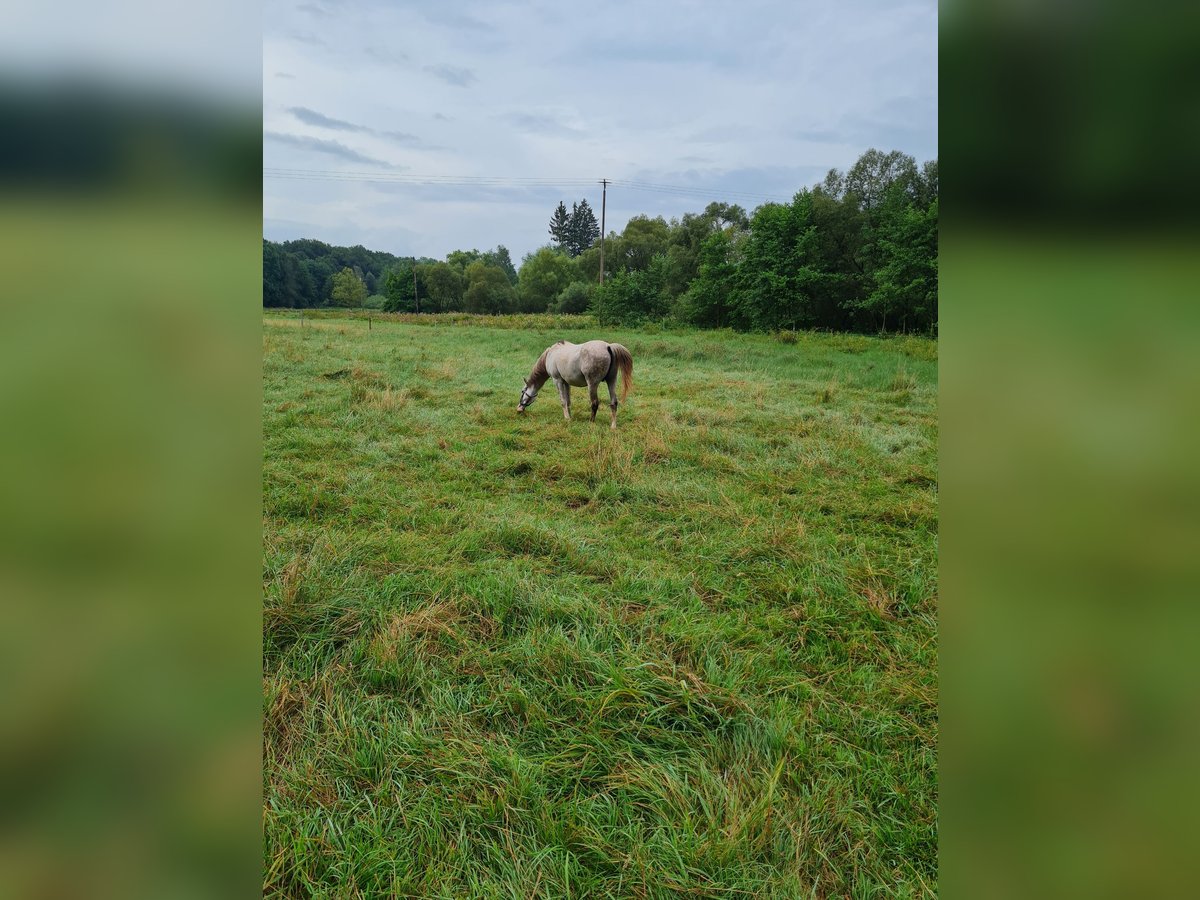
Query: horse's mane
x=539 y=374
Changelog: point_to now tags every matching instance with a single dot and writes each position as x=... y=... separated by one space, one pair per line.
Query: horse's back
x=577 y=364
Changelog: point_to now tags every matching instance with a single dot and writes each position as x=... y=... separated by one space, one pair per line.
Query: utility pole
x=416 y=297
x=603 y=204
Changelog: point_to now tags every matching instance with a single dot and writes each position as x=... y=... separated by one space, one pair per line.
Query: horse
x=576 y=365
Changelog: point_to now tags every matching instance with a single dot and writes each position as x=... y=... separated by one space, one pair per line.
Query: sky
x=425 y=127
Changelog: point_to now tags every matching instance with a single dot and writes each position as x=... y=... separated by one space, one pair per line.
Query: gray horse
x=574 y=365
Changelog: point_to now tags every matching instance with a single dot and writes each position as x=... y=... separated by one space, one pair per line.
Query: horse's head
x=528 y=395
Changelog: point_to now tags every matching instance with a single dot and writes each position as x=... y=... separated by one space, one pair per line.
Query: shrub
x=630 y=298
x=574 y=298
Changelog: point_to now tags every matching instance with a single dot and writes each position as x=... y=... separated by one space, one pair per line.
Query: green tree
x=488 y=289
x=348 y=289
x=905 y=280
x=443 y=287
x=576 y=297
x=398 y=288
x=319 y=279
x=927 y=184
x=642 y=240
x=560 y=227
x=706 y=300
x=631 y=298
x=687 y=237
x=780 y=271
x=582 y=229
x=544 y=273
x=273 y=294
x=460 y=259
x=501 y=259
x=588 y=262
x=874 y=173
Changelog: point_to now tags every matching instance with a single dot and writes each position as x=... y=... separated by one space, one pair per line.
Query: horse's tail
x=624 y=360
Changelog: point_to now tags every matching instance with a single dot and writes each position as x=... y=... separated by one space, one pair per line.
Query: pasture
x=514 y=657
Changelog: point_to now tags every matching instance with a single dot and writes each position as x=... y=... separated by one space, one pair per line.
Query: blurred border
x=130 y=545
x=1069 y=392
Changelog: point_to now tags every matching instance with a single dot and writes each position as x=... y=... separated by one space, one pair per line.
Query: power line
x=401 y=178
x=684 y=190
x=512 y=181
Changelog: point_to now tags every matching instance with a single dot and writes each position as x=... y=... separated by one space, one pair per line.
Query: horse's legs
x=612 y=400
x=564 y=394
x=592 y=388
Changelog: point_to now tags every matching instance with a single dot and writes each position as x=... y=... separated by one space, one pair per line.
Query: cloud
x=328 y=148
x=312 y=117
x=720 y=103
x=820 y=135
x=315 y=8
x=441 y=14
x=307 y=37
x=539 y=124
x=320 y=120
x=386 y=56
x=453 y=75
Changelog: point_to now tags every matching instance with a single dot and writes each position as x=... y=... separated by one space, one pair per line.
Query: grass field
x=514 y=657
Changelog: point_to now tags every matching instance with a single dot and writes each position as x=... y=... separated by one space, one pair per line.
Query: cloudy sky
x=424 y=127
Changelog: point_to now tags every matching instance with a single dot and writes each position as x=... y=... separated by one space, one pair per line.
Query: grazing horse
x=574 y=365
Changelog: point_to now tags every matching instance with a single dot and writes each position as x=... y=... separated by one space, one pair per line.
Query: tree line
x=857 y=252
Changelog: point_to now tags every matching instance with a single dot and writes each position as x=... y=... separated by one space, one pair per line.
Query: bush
x=574 y=298
x=630 y=298
x=375 y=301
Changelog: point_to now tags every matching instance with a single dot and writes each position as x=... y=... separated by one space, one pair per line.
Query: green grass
x=515 y=657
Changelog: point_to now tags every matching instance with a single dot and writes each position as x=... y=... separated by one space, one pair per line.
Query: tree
x=858 y=251
x=927 y=184
x=300 y=273
x=560 y=225
x=574 y=298
x=460 y=259
x=443 y=287
x=905 y=280
x=642 y=240
x=582 y=229
x=706 y=301
x=272 y=275
x=501 y=260
x=870 y=178
x=348 y=289
x=298 y=284
x=544 y=273
x=398 y=288
x=630 y=298
x=588 y=262
x=488 y=289
x=319 y=279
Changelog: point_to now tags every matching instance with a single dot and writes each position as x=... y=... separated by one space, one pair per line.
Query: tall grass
x=514 y=657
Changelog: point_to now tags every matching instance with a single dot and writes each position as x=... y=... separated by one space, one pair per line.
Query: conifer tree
x=560 y=225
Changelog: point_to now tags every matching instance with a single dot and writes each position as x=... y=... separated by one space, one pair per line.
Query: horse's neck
x=539 y=375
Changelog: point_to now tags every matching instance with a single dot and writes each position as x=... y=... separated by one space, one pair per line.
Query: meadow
x=516 y=657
